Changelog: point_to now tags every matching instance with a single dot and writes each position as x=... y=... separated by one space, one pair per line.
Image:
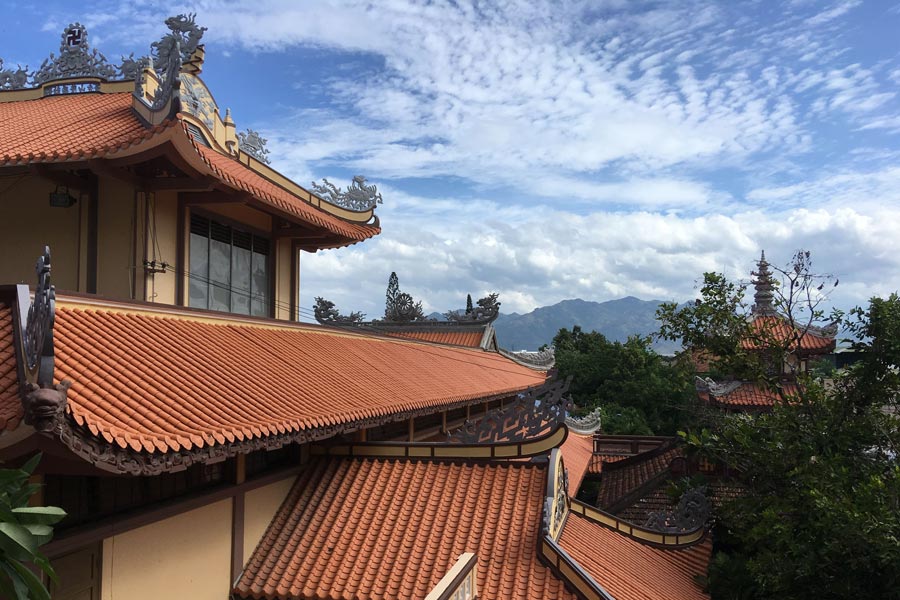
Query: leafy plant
x=819 y=514
x=23 y=529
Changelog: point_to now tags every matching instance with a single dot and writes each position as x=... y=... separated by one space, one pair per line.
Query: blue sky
x=552 y=150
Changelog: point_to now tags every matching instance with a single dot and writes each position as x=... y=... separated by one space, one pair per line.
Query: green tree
x=638 y=392
x=819 y=516
x=469 y=306
x=23 y=529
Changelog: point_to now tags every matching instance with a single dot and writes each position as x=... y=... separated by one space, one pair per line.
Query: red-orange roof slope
x=630 y=570
x=79 y=127
x=776 y=328
x=622 y=478
x=391 y=529
x=72 y=127
x=168 y=379
x=10 y=404
x=470 y=339
x=577 y=453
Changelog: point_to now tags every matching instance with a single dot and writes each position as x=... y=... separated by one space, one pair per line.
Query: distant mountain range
x=615 y=319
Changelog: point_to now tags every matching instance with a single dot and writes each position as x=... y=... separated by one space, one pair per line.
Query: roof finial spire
x=765 y=287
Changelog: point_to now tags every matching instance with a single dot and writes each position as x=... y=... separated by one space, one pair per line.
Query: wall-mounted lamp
x=62 y=199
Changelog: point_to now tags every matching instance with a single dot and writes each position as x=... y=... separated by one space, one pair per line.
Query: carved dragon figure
x=327 y=314
x=487 y=310
x=185 y=31
x=358 y=196
x=13 y=79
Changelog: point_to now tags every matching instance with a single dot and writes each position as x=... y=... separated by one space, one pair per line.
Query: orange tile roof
x=88 y=126
x=596 y=465
x=10 y=404
x=239 y=176
x=577 y=452
x=752 y=395
x=166 y=379
x=624 y=477
x=630 y=570
x=470 y=339
x=73 y=127
x=775 y=327
x=361 y=529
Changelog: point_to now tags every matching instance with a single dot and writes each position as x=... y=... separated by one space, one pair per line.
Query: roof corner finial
x=765 y=288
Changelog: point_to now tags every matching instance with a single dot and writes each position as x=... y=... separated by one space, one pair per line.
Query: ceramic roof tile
x=630 y=570
x=754 y=395
x=470 y=339
x=10 y=404
x=577 y=453
x=595 y=467
x=160 y=381
x=73 y=127
x=88 y=126
x=239 y=176
x=624 y=477
x=361 y=529
x=813 y=339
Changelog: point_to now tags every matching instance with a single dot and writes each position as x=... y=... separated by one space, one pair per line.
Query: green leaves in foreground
x=23 y=530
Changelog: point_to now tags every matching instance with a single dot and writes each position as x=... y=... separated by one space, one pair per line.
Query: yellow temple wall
x=29 y=223
x=186 y=556
x=250 y=217
x=260 y=506
x=162 y=245
x=116 y=252
x=283 y=290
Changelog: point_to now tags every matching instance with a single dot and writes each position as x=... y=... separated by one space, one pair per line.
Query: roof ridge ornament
x=326 y=314
x=43 y=402
x=76 y=59
x=254 y=144
x=529 y=415
x=13 y=79
x=486 y=311
x=184 y=30
x=358 y=196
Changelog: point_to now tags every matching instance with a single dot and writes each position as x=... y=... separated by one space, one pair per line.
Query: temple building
x=797 y=345
x=207 y=445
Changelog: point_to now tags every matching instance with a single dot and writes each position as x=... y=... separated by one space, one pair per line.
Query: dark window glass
x=229 y=269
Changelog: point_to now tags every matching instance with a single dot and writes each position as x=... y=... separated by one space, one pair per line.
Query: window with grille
x=229 y=268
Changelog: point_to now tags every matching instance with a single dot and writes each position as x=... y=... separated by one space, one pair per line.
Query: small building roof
x=632 y=571
x=391 y=529
x=747 y=394
x=622 y=480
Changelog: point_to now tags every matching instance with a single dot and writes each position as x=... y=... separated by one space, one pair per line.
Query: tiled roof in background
x=627 y=476
x=630 y=570
x=170 y=379
x=754 y=395
x=595 y=467
x=10 y=403
x=577 y=451
x=775 y=327
x=470 y=339
x=390 y=529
